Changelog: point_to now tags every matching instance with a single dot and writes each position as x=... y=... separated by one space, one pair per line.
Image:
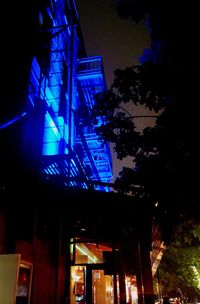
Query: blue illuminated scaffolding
x=59 y=87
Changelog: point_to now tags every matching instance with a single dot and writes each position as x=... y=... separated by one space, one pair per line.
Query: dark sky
x=119 y=42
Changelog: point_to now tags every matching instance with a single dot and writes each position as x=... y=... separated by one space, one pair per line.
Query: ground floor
x=70 y=252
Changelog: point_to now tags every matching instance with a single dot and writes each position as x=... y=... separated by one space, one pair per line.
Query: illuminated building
x=61 y=90
x=57 y=138
x=67 y=245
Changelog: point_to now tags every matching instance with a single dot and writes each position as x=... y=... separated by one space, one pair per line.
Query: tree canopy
x=165 y=159
x=180 y=265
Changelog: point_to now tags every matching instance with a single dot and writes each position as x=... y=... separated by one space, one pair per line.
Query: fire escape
x=71 y=154
x=91 y=81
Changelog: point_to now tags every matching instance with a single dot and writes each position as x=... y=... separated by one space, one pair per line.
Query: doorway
x=102 y=287
x=91 y=285
x=91 y=281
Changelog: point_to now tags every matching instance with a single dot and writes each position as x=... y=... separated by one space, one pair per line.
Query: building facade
x=65 y=237
x=61 y=94
x=74 y=246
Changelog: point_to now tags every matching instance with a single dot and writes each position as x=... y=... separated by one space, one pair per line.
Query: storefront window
x=78 y=284
x=131 y=290
x=89 y=253
x=102 y=288
x=90 y=275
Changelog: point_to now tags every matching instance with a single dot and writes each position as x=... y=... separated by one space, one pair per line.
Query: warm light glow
x=134 y=294
x=131 y=290
x=93 y=259
x=75 y=277
x=109 y=289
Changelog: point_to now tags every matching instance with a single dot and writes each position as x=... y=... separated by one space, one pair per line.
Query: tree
x=165 y=157
x=180 y=267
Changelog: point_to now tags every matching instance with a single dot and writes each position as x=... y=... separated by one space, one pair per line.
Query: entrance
x=91 y=281
x=91 y=285
x=102 y=287
x=93 y=278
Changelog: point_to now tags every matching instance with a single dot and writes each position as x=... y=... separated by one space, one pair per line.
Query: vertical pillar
x=138 y=269
x=67 y=273
x=122 y=284
x=122 y=287
x=147 y=275
x=115 y=273
x=115 y=288
x=89 y=285
x=144 y=234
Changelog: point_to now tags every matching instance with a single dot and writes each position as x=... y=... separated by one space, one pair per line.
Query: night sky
x=120 y=42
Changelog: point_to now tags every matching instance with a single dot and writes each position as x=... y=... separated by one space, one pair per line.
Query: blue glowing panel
x=51 y=140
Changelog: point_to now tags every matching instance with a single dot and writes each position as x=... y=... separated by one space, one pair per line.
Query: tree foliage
x=180 y=265
x=165 y=157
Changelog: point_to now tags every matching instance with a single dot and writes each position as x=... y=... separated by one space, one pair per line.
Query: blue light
x=67 y=83
x=51 y=138
x=12 y=121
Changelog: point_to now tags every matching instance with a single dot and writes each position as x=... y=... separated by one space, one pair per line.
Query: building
x=65 y=237
x=58 y=135
x=74 y=246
